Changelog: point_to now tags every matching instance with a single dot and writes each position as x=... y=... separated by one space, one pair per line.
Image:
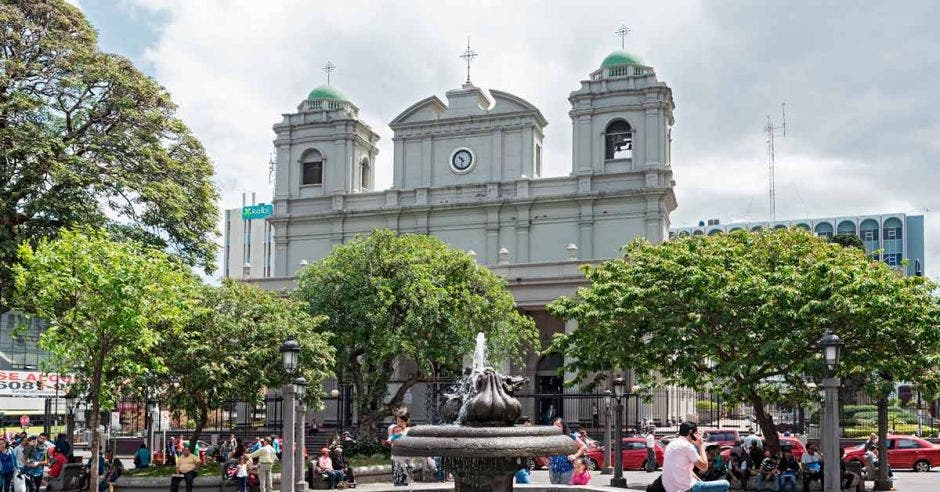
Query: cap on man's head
x=686 y=427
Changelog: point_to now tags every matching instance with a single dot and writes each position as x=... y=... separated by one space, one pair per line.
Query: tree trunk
x=200 y=425
x=766 y=423
x=881 y=478
x=95 y=422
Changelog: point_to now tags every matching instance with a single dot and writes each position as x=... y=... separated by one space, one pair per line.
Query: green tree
x=743 y=312
x=230 y=350
x=87 y=139
x=410 y=302
x=108 y=304
x=848 y=240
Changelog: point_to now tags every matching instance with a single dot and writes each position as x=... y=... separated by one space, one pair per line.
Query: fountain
x=481 y=447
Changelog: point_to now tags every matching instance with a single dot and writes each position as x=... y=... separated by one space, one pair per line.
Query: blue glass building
x=891 y=238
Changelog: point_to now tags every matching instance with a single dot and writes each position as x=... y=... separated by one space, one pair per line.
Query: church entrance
x=549 y=388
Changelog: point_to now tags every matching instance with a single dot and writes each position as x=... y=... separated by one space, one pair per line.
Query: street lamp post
x=618 y=480
x=299 y=468
x=635 y=389
x=69 y=417
x=290 y=352
x=339 y=406
x=607 y=470
x=831 y=345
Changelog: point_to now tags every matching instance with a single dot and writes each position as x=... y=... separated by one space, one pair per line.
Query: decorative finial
x=328 y=68
x=468 y=55
x=622 y=31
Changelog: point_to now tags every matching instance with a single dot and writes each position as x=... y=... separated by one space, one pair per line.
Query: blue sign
x=258 y=211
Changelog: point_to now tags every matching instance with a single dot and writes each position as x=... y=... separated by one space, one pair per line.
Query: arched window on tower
x=311 y=168
x=365 y=179
x=618 y=140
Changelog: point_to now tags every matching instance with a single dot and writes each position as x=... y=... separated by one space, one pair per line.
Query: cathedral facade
x=468 y=170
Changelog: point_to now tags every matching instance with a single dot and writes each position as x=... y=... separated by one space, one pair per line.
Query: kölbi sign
x=259 y=211
x=34 y=384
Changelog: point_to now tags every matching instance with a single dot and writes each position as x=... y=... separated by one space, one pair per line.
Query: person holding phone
x=683 y=455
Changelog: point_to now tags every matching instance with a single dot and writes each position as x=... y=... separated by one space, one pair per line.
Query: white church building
x=468 y=170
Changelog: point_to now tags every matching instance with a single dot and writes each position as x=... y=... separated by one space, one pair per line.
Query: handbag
x=656 y=486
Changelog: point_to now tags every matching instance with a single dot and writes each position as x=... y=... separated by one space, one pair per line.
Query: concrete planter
x=202 y=483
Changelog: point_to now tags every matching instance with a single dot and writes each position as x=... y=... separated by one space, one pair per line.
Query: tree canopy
x=87 y=139
x=109 y=304
x=410 y=303
x=742 y=313
x=230 y=350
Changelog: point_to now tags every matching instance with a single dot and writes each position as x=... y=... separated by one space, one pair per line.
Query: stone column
x=287 y=430
x=299 y=462
x=830 y=435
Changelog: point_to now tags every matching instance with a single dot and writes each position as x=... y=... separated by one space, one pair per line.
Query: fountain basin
x=483 y=442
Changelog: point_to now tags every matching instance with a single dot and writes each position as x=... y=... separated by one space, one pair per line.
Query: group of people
x=690 y=465
x=24 y=457
x=571 y=469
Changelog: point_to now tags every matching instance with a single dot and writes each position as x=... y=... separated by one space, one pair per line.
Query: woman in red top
x=58 y=461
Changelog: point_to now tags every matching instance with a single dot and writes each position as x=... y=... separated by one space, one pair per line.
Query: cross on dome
x=468 y=55
x=328 y=68
x=622 y=31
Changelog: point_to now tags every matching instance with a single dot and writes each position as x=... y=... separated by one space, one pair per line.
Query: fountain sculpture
x=481 y=447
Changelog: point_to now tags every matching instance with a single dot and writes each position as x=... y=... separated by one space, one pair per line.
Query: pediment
x=428 y=109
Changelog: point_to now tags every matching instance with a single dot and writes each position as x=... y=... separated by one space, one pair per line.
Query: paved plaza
x=638 y=480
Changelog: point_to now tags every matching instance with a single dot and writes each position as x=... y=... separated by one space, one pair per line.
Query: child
x=581 y=475
x=399 y=464
x=242 y=474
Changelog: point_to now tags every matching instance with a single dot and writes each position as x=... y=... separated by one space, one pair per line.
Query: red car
x=634 y=453
x=793 y=443
x=721 y=437
x=903 y=452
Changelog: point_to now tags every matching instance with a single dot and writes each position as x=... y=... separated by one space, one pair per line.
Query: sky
x=859 y=81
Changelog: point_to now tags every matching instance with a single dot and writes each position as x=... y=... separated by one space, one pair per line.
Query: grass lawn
x=375 y=459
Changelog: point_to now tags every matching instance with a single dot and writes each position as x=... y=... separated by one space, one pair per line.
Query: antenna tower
x=771 y=130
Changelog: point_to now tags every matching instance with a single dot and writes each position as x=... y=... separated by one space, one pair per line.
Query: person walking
x=650 y=464
x=266 y=459
x=7 y=467
x=561 y=467
x=683 y=455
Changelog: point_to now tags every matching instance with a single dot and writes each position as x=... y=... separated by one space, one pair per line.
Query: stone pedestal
x=483 y=474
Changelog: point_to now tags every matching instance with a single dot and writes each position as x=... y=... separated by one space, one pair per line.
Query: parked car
x=903 y=452
x=795 y=445
x=634 y=453
x=721 y=437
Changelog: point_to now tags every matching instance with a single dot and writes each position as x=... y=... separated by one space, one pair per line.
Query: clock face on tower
x=461 y=160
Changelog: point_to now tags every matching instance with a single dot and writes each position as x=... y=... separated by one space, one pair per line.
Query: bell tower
x=621 y=118
x=324 y=148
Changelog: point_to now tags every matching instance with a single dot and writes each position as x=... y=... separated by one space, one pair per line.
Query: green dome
x=619 y=57
x=326 y=92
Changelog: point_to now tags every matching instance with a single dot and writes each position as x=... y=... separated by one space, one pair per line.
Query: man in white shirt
x=683 y=455
x=650 y=464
